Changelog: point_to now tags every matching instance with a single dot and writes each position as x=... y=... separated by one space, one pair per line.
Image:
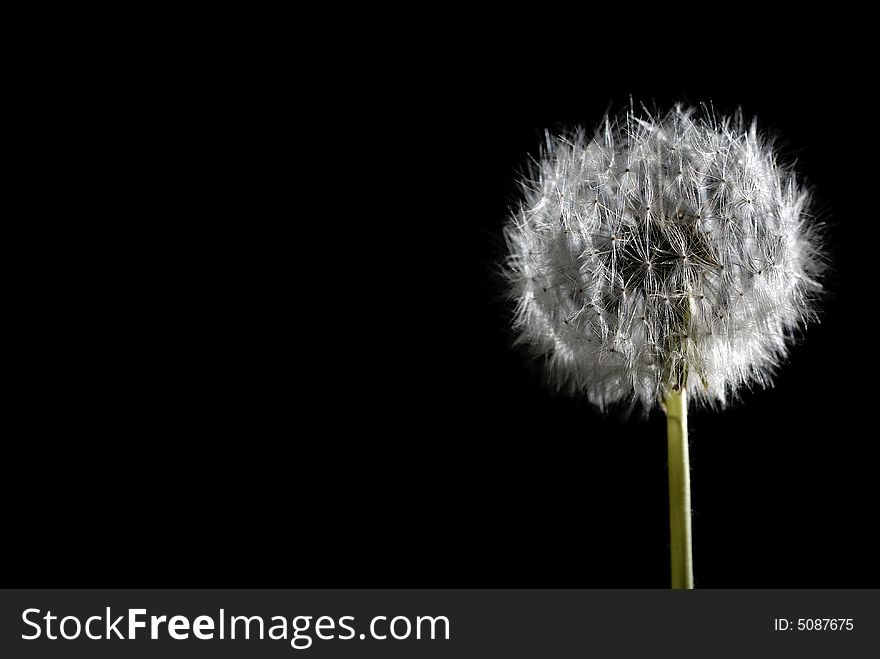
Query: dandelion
x=664 y=258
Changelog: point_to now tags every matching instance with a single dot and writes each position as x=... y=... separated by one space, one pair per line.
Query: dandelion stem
x=679 y=489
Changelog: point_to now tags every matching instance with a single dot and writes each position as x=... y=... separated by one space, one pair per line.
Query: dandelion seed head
x=663 y=251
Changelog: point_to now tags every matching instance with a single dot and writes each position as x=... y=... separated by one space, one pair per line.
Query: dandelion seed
x=708 y=203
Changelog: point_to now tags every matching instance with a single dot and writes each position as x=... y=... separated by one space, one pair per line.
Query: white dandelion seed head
x=665 y=251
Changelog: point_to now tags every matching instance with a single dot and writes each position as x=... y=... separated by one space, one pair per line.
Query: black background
x=279 y=355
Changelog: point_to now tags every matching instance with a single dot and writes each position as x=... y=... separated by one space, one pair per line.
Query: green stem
x=679 y=489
